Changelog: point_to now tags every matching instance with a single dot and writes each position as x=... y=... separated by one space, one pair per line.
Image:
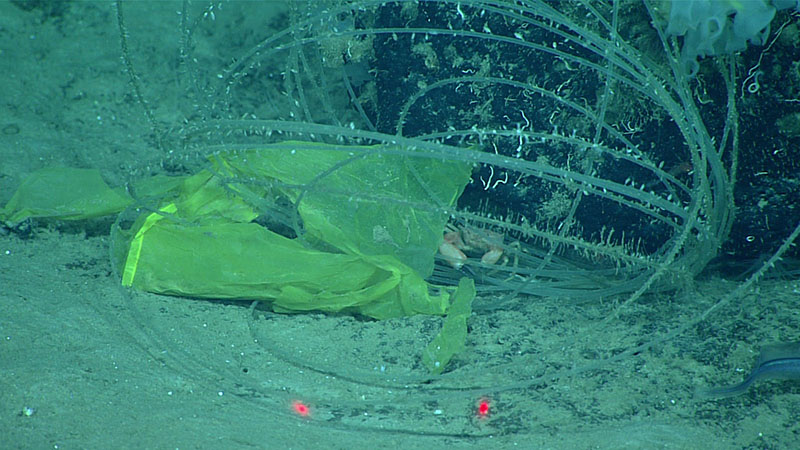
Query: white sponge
x=715 y=27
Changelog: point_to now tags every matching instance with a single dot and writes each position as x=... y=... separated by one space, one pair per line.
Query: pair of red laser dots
x=303 y=410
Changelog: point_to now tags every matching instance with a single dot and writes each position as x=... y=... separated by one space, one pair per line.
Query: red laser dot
x=301 y=409
x=483 y=408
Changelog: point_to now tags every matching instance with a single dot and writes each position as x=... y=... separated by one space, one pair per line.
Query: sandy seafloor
x=87 y=364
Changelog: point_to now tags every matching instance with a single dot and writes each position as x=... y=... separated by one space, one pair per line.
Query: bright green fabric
x=373 y=203
x=65 y=194
x=372 y=220
x=452 y=338
x=246 y=261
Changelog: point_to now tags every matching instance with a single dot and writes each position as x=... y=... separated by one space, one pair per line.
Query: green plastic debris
x=372 y=221
x=452 y=338
x=373 y=203
x=64 y=194
x=369 y=221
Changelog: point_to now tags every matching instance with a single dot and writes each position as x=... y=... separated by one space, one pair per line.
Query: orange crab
x=458 y=243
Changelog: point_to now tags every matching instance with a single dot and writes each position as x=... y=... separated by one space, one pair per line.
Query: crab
x=458 y=242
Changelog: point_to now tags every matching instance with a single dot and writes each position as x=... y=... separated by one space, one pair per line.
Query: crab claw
x=492 y=256
x=452 y=254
